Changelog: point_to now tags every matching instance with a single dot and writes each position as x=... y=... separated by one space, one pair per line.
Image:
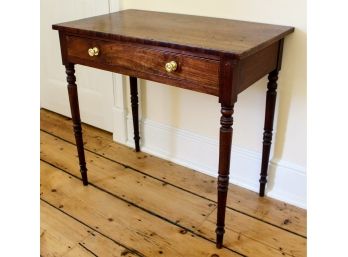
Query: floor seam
x=141 y=208
x=144 y=173
x=90 y=227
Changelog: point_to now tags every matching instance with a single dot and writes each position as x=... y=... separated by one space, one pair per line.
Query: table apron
x=193 y=72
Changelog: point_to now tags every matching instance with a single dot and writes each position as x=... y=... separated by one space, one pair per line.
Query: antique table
x=214 y=56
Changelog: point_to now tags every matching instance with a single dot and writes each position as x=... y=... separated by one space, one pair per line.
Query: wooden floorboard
x=151 y=194
x=62 y=235
x=277 y=213
x=183 y=208
x=119 y=220
x=130 y=178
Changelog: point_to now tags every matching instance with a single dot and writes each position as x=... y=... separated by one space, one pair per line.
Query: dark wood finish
x=271 y=98
x=280 y=54
x=268 y=128
x=135 y=114
x=215 y=56
x=226 y=132
x=63 y=48
x=185 y=32
x=139 y=43
x=229 y=76
x=75 y=115
x=200 y=74
x=257 y=65
x=228 y=79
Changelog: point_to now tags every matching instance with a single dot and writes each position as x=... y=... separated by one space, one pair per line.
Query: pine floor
x=140 y=205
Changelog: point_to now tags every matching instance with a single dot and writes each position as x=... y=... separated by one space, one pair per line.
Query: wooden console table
x=209 y=55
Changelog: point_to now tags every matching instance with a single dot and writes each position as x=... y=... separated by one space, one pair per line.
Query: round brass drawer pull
x=93 y=51
x=171 y=66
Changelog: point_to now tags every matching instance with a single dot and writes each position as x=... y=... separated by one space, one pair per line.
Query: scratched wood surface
x=62 y=235
x=128 y=186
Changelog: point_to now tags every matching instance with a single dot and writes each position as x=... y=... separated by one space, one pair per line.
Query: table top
x=186 y=32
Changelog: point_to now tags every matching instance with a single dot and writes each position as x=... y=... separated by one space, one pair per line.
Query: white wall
x=95 y=87
x=183 y=126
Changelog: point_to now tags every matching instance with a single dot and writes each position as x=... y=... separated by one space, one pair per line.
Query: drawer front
x=196 y=73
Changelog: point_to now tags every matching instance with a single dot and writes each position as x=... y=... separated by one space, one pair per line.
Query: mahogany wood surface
x=135 y=112
x=189 y=32
x=214 y=56
x=136 y=60
x=268 y=128
x=75 y=115
x=226 y=132
x=254 y=67
x=196 y=43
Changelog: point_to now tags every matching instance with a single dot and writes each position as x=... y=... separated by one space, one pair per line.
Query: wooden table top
x=186 y=32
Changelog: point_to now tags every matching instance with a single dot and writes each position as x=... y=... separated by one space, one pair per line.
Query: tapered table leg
x=75 y=114
x=134 y=103
x=226 y=132
x=268 y=128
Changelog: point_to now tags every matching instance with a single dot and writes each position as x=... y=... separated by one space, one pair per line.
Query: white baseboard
x=286 y=181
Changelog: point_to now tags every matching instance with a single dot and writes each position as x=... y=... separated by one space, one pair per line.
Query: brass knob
x=171 y=66
x=93 y=51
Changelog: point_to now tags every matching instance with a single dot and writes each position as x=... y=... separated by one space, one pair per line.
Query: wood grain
x=242 y=232
x=121 y=221
x=138 y=43
x=58 y=233
x=193 y=33
x=226 y=132
x=269 y=210
x=97 y=245
x=76 y=120
x=271 y=97
x=146 y=62
x=150 y=193
x=257 y=65
x=61 y=235
x=184 y=209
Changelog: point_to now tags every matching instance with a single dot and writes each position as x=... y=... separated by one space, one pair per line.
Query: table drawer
x=197 y=73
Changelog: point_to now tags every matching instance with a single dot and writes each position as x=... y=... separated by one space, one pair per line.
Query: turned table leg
x=134 y=103
x=268 y=128
x=75 y=114
x=226 y=132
